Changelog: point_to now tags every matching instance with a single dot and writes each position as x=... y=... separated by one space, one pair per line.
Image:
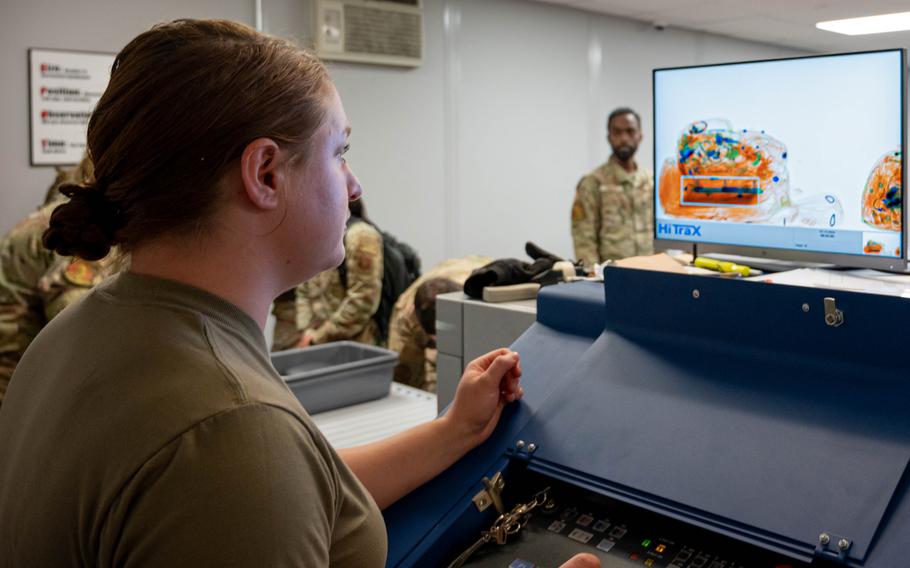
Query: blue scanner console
x=685 y=421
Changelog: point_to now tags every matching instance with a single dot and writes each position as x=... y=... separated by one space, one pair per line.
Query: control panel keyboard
x=622 y=536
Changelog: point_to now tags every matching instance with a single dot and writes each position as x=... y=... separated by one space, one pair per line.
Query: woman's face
x=320 y=188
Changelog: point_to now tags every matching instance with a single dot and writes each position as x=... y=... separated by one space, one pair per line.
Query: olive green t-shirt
x=146 y=426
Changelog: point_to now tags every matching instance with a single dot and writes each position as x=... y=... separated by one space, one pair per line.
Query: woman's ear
x=261 y=173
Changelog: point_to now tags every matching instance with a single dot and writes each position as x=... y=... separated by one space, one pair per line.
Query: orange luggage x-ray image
x=726 y=174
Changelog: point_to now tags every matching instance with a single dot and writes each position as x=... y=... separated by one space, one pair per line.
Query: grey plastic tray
x=333 y=375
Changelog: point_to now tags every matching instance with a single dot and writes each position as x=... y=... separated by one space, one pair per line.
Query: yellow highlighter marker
x=721 y=266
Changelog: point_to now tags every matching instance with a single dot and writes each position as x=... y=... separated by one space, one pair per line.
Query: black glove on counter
x=503 y=272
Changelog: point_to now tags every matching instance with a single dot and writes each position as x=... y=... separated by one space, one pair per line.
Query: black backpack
x=400 y=268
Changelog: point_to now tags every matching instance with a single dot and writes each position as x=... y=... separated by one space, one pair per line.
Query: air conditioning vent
x=385 y=33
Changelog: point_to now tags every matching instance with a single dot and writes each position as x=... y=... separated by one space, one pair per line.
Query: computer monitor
x=796 y=159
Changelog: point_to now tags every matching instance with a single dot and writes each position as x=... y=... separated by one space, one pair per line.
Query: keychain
x=506 y=524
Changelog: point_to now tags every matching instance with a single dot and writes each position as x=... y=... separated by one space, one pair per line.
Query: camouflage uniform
x=613 y=214
x=416 y=359
x=326 y=311
x=35 y=285
x=286 y=335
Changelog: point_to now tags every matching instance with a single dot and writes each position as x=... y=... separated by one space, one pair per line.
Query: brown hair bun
x=85 y=226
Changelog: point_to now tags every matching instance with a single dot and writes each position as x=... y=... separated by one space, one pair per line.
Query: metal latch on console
x=833 y=316
x=491 y=494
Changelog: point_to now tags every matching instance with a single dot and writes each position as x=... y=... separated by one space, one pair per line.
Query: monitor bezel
x=838 y=259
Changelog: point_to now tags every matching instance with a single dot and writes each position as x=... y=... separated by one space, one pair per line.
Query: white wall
x=537 y=84
x=476 y=151
x=94 y=25
x=479 y=150
x=398 y=141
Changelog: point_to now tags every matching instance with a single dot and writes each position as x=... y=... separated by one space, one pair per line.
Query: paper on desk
x=661 y=262
x=821 y=278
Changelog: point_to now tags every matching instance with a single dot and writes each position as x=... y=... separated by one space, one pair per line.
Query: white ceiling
x=788 y=23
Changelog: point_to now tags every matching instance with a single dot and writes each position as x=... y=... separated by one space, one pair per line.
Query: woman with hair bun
x=145 y=426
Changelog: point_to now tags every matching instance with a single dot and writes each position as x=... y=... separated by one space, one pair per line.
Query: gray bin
x=332 y=375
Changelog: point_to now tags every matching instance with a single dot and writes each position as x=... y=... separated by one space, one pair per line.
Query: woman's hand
x=487 y=385
x=395 y=466
x=305 y=340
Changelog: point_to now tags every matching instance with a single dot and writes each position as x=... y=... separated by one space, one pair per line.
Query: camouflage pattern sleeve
x=409 y=340
x=586 y=221
x=68 y=280
x=23 y=260
x=363 y=259
x=431 y=380
x=305 y=316
x=287 y=334
x=9 y=354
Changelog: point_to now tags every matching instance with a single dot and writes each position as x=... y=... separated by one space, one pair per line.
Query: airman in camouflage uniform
x=416 y=349
x=35 y=285
x=613 y=211
x=325 y=310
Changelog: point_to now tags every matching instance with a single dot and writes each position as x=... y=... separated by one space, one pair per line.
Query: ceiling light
x=868 y=25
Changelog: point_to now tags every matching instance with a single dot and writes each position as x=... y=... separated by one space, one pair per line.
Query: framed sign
x=64 y=87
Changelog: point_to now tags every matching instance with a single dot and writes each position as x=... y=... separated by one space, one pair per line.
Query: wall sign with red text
x=64 y=87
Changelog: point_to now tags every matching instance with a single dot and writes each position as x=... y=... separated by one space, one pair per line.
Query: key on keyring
x=506 y=524
x=463 y=557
